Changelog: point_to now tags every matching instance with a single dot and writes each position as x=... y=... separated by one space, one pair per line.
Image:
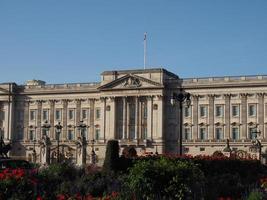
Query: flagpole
x=145 y=50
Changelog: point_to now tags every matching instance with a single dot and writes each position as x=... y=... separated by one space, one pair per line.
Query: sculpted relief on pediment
x=130 y=82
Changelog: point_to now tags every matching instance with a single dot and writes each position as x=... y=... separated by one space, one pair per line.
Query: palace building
x=133 y=107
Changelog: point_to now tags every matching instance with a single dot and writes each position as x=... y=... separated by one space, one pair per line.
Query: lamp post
x=46 y=142
x=1 y=141
x=34 y=151
x=58 y=127
x=93 y=155
x=46 y=126
x=82 y=127
x=34 y=141
x=180 y=98
x=256 y=142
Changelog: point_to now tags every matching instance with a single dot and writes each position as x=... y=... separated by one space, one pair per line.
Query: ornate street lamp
x=256 y=144
x=82 y=127
x=1 y=141
x=93 y=154
x=46 y=127
x=46 y=143
x=58 y=127
x=181 y=97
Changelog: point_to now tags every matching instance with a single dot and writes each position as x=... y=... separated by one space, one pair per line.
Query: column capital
x=111 y=99
x=227 y=95
x=195 y=96
x=52 y=101
x=159 y=97
x=261 y=94
x=102 y=99
x=149 y=97
x=244 y=94
x=211 y=95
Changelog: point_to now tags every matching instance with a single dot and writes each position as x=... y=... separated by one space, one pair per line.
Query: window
x=235 y=133
x=219 y=133
x=97 y=134
x=2 y=115
x=145 y=112
x=203 y=111
x=235 y=110
x=32 y=114
x=252 y=110
x=71 y=114
x=70 y=135
x=31 y=135
x=58 y=115
x=202 y=149
x=252 y=133
x=45 y=115
x=84 y=113
x=203 y=133
x=97 y=113
x=131 y=132
x=218 y=110
x=187 y=111
x=187 y=133
x=144 y=133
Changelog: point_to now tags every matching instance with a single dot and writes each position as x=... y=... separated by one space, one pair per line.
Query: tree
x=112 y=156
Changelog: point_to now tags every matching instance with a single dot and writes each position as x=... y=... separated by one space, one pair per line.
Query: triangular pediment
x=130 y=81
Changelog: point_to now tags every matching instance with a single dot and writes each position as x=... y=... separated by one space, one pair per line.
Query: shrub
x=112 y=156
x=164 y=179
x=255 y=195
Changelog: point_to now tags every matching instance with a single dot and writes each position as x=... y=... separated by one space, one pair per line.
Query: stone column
x=244 y=116
x=92 y=119
x=149 y=117
x=11 y=110
x=51 y=118
x=124 y=127
x=39 y=119
x=26 y=120
x=160 y=117
x=78 y=116
x=261 y=113
x=137 y=118
x=128 y=120
x=78 y=110
x=111 y=119
x=195 y=117
x=103 y=119
x=211 y=117
x=64 y=119
x=227 y=116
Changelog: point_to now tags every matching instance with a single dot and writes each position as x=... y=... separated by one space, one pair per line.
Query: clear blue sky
x=75 y=40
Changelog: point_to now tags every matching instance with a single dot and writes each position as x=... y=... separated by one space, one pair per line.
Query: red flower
x=61 y=197
x=39 y=198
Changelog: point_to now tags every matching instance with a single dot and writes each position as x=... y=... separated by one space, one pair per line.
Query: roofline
x=138 y=71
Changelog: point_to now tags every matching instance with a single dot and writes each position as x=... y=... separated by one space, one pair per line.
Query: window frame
x=220 y=112
x=200 y=111
x=254 y=114
x=32 y=117
x=232 y=133
x=238 y=110
x=71 y=110
x=60 y=114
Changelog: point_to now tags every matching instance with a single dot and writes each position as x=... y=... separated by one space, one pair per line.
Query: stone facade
x=133 y=106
